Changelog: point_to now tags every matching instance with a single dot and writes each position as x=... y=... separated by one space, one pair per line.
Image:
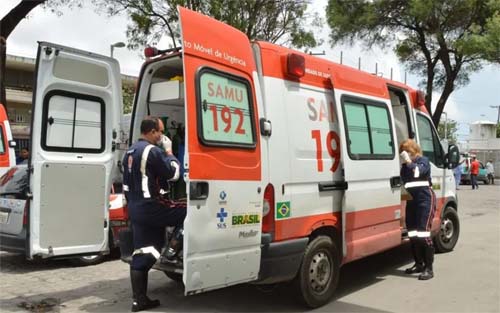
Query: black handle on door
x=198 y=190
x=396 y=181
x=334 y=185
x=50 y=120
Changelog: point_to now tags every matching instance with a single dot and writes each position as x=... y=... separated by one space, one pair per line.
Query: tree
x=441 y=41
x=278 y=21
x=7 y=25
x=451 y=130
x=128 y=93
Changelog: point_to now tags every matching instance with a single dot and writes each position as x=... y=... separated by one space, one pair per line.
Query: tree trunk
x=7 y=25
x=448 y=89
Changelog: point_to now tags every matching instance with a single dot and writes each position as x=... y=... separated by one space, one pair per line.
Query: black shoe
x=145 y=304
x=426 y=275
x=416 y=268
x=141 y=301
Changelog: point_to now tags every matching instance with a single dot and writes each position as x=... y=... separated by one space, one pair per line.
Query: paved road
x=467 y=279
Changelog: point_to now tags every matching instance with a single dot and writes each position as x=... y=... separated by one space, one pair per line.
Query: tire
x=177 y=277
x=449 y=231
x=318 y=274
x=88 y=260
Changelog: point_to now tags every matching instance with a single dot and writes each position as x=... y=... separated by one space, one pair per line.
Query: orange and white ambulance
x=290 y=162
x=7 y=144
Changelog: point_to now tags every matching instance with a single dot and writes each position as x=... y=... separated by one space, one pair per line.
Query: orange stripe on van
x=318 y=72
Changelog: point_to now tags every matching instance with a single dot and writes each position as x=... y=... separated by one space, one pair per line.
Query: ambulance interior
x=161 y=94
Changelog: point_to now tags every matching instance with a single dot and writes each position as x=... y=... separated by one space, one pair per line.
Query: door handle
x=198 y=190
x=334 y=185
x=396 y=181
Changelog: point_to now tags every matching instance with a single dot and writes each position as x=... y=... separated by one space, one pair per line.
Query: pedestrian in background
x=490 y=169
x=457 y=172
x=474 y=171
x=420 y=210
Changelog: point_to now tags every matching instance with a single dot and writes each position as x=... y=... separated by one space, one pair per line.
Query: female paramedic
x=416 y=176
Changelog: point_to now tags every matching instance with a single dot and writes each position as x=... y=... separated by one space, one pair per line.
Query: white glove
x=166 y=143
x=405 y=157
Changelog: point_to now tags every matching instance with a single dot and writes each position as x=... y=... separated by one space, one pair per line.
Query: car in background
x=14 y=216
x=482 y=175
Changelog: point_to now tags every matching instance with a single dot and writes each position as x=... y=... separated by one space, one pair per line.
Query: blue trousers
x=420 y=213
x=151 y=232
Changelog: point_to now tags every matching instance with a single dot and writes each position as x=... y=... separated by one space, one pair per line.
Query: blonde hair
x=410 y=146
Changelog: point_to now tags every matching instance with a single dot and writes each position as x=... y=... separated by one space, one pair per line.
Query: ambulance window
x=368 y=128
x=2 y=143
x=73 y=122
x=225 y=110
x=429 y=141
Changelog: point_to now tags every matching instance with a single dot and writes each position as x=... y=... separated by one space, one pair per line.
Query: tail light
x=268 y=210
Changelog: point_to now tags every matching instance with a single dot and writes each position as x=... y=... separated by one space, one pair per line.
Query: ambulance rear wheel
x=318 y=274
x=177 y=277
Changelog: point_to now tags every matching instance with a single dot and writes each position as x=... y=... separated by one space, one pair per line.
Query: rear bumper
x=13 y=243
x=280 y=261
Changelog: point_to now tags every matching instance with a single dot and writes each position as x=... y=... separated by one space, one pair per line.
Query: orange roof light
x=420 y=98
x=296 y=65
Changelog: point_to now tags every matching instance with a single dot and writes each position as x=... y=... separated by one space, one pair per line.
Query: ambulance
x=7 y=144
x=290 y=162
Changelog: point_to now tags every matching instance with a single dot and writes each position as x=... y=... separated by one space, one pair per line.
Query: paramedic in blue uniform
x=416 y=176
x=147 y=170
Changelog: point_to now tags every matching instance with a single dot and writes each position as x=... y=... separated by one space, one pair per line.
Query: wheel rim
x=447 y=229
x=320 y=272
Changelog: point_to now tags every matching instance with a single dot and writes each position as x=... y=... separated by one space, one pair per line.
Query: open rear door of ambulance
x=371 y=210
x=76 y=109
x=223 y=224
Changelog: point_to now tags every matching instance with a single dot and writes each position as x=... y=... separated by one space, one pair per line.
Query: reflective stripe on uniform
x=412 y=233
x=177 y=171
x=144 y=159
x=417 y=184
x=125 y=188
x=146 y=250
x=423 y=234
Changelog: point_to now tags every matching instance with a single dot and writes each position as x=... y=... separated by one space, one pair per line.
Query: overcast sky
x=87 y=30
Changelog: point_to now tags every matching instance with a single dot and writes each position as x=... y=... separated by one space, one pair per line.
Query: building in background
x=19 y=76
x=483 y=143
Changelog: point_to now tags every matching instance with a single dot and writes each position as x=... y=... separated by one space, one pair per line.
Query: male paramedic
x=147 y=170
x=420 y=210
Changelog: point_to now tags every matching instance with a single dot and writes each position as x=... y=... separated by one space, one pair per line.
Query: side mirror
x=452 y=157
x=12 y=144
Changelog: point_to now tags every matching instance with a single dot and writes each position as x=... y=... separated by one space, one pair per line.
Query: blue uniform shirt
x=418 y=170
x=143 y=192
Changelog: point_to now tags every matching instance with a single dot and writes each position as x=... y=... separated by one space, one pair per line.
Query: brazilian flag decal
x=283 y=209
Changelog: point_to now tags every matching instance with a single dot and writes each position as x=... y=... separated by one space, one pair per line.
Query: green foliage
x=441 y=41
x=451 y=130
x=128 y=93
x=280 y=21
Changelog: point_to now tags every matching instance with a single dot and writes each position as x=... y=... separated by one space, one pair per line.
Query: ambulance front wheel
x=449 y=230
x=318 y=274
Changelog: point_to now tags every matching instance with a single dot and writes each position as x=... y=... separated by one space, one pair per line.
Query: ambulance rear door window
x=73 y=122
x=368 y=128
x=225 y=110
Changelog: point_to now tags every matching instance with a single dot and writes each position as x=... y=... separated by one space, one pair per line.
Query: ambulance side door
x=222 y=230
x=76 y=109
x=371 y=209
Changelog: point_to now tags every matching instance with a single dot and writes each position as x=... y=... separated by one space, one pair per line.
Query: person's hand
x=405 y=157
x=166 y=144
